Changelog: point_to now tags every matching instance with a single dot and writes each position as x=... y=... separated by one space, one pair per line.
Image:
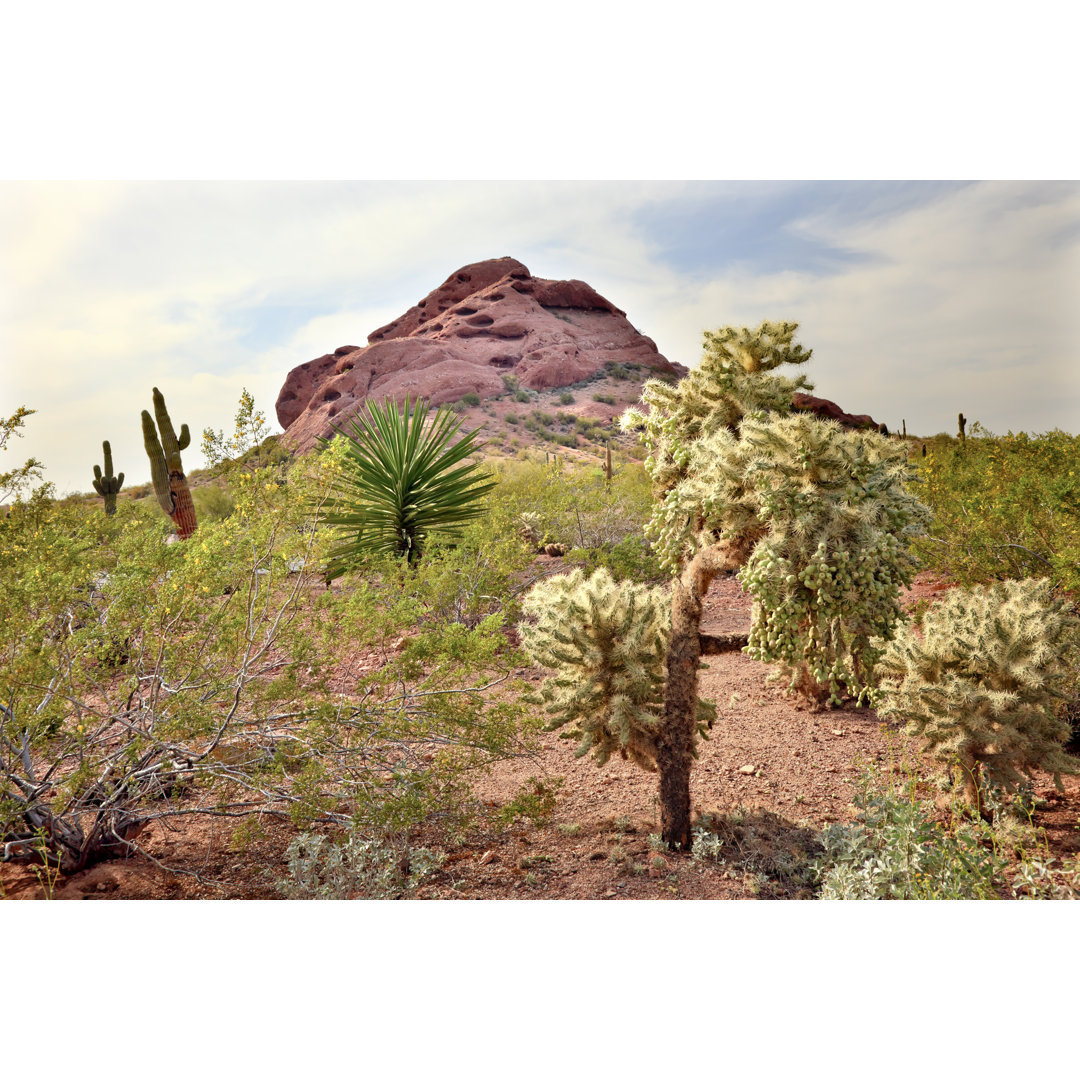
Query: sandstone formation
x=829 y=410
x=487 y=320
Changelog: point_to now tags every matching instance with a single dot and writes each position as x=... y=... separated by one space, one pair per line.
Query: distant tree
x=249 y=431
x=15 y=482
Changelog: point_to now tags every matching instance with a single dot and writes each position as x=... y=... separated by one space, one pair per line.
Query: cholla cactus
x=607 y=642
x=530 y=528
x=735 y=378
x=826 y=513
x=983 y=683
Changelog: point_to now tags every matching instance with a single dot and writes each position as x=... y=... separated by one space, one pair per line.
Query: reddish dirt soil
x=773 y=772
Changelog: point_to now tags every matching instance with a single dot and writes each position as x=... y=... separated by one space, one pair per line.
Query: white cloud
x=963 y=302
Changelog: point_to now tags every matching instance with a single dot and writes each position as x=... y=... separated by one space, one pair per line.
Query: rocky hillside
x=490 y=327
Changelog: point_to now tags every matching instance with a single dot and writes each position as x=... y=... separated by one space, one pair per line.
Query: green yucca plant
x=402 y=479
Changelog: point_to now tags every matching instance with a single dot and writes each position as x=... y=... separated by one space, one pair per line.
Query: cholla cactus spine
x=106 y=484
x=607 y=642
x=166 y=468
x=982 y=685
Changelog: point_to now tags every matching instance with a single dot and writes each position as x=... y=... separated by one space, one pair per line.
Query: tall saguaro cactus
x=166 y=469
x=107 y=485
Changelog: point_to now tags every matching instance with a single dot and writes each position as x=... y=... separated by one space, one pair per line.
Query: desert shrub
x=566 y=398
x=607 y=643
x=534 y=801
x=1004 y=507
x=355 y=867
x=470 y=399
x=146 y=680
x=511 y=418
x=631 y=559
x=212 y=503
x=604 y=399
x=897 y=851
x=983 y=682
x=522 y=395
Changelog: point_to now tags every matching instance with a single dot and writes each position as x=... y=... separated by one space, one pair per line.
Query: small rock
x=838 y=731
x=609 y=894
x=487 y=857
x=748 y=770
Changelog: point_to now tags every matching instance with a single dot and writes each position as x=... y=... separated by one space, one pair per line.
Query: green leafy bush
x=471 y=398
x=1004 y=507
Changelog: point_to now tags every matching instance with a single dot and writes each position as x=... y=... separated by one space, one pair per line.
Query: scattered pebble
x=748 y=770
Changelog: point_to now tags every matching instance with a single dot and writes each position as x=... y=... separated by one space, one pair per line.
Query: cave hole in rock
x=493 y=297
x=480 y=320
x=504 y=361
x=464 y=311
x=330 y=395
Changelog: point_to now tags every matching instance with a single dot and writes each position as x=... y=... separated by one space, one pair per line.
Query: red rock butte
x=487 y=320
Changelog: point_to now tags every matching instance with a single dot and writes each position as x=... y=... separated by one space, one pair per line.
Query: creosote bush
x=983 y=683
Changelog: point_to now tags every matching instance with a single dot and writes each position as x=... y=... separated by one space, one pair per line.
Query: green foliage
x=607 y=643
x=535 y=801
x=983 y=682
x=897 y=851
x=132 y=671
x=1004 y=507
x=400 y=480
x=470 y=399
x=107 y=485
x=511 y=382
x=15 y=481
x=213 y=503
x=566 y=398
x=604 y=399
x=249 y=433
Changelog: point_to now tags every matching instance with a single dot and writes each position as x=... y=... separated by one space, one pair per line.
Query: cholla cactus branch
x=607 y=642
x=983 y=683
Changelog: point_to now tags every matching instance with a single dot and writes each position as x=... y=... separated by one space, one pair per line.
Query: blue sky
x=919 y=299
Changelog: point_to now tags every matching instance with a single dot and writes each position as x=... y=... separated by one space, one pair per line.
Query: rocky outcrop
x=829 y=410
x=487 y=320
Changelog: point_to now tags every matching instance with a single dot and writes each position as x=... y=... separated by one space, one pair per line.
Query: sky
x=920 y=299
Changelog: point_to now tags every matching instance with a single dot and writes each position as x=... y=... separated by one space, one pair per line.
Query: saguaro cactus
x=107 y=485
x=166 y=469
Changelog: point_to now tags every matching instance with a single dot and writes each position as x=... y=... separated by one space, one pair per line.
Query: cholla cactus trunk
x=675 y=742
x=166 y=468
x=105 y=484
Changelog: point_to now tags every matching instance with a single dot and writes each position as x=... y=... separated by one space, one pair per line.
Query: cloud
x=918 y=300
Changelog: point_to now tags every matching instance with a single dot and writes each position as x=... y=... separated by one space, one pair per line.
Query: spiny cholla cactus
x=825 y=515
x=530 y=528
x=982 y=684
x=607 y=642
x=735 y=378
